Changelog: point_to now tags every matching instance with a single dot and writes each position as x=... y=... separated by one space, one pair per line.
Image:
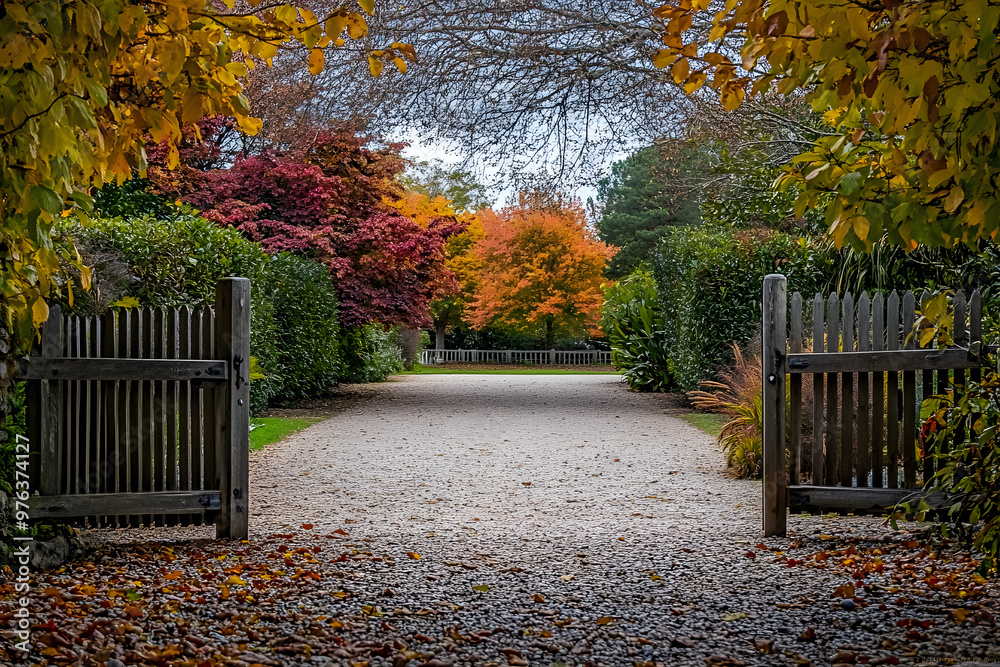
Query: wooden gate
x=141 y=417
x=866 y=378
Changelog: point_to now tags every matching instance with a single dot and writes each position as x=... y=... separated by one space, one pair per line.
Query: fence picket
x=908 y=429
x=847 y=397
x=864 y=404
x=832 y=395
x=892 y=394
x=878 y=393
x=818 y=462
x=795 y=392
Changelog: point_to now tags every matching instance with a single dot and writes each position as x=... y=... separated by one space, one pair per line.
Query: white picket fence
x=539 y=357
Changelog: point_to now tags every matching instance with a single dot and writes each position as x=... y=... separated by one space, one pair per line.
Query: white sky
x=425 y=149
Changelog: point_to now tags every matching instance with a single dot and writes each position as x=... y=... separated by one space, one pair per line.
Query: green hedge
x=296 y=340
x=709 y=283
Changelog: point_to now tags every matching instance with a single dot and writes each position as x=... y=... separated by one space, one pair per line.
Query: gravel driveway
x=531 y=500
x=493 y=520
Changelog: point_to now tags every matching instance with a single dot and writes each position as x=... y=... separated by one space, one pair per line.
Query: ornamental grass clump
x=737 y=393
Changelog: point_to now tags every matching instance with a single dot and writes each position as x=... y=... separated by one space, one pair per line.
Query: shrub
x=176 y=260
x=961 y=433
x=371 y=353
x=709 y=284
x=738 y=394
x=633 y=324
x=305 y=333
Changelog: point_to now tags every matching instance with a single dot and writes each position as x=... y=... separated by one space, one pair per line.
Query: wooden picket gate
x=863 y=448
x=142 y=417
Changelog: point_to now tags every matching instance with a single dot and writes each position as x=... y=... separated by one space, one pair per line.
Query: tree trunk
x=550 y=334
x=439 y=328
x=411 y=341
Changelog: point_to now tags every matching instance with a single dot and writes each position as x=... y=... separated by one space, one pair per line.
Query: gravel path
x=562 y=519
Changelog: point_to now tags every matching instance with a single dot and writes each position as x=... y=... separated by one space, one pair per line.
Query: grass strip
x=269 y=430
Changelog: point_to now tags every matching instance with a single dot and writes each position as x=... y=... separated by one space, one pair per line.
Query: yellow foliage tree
x=85 y=84
x=909 y=86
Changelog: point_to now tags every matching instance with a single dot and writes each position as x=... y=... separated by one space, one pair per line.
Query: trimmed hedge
x=297 y=343
x=709 y=282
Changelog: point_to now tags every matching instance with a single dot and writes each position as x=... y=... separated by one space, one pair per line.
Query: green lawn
x=528 y=370
x=708 y=422
x=268 y=430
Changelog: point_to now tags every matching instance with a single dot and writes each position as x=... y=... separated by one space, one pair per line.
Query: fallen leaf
x=537 y=598
x=526 y=483
x=604 y=620
x=567 y=577
x=735 y=616
x=307 y=526
x=414 y=555
x=844 y=591
x=482 y=588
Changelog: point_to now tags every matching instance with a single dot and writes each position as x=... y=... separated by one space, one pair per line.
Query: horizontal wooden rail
x=96 y=368
x=879 y=361
x=111 y=504
x=858 y=499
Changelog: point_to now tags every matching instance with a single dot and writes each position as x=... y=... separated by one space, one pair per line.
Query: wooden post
x=44 y=423
x=232 y=401
x=774 y=336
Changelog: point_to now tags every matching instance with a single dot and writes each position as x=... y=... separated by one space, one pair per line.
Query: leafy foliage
x=84 y=86
x=541 y=266
x=961 y=432
x=306 y=334
x=175 y=260
x=633 y=325
x=435 y=179
x=295 y=335
x=738 y=394
x=372 y=353
x=334 y=201
x=708 y=281
x=646 y=193
x=907 y=86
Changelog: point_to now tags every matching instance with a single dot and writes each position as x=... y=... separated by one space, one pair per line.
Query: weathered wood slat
x=881 y=361
x=892 y=394
x=131 y=504
x=878 y=392
x=847 y=397
x=832 y=394
x=925 y=463
x=864 y=403
x=795 y=393
x=67 y=368
x=856 y=499
x=51 y=409
x=774 y=342
x=908 y=430
x=817 y=383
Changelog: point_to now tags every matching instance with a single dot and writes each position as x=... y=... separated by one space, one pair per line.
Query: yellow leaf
x=39 y=312
x=664 y=58
x=375 y=65
x=316 y=61
x=335 y=25
x=680 y=70
x=954 y=199
x=367 y=5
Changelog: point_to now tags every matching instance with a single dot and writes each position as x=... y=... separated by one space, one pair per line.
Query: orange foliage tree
x=539 y=265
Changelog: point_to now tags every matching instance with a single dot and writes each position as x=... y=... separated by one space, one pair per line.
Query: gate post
x=774 y=340
x=232 y=401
